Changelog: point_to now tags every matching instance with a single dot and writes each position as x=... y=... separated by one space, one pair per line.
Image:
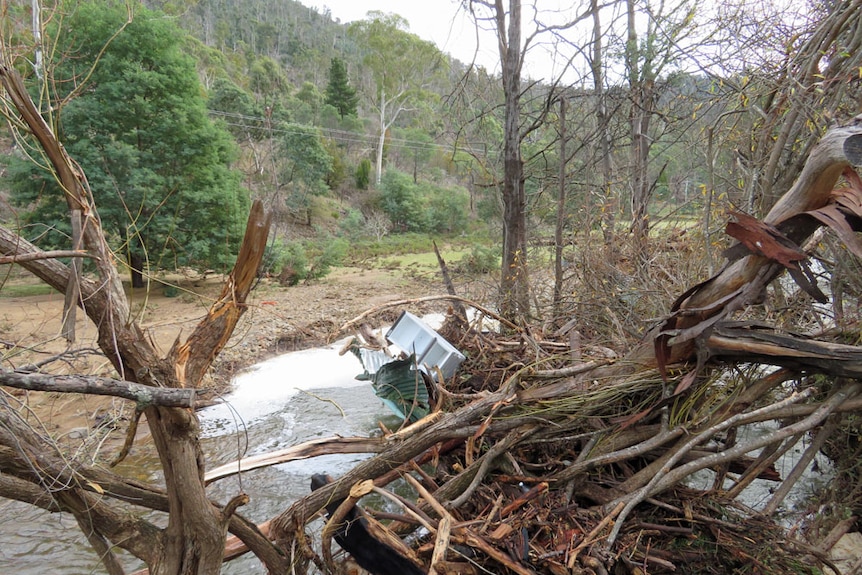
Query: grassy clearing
x=424 y=261
x=24 y=290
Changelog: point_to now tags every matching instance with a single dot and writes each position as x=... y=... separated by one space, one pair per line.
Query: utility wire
x=260 y=123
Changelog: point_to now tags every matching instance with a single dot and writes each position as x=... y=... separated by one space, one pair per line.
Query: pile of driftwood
x=535 y=462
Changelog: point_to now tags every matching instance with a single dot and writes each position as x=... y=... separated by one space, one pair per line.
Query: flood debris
x=537 y=458
x=405 y=381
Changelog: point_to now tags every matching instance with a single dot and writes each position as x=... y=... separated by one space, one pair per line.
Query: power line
x=260 y=123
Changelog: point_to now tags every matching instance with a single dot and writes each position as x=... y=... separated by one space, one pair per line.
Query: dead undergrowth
x=577 y=462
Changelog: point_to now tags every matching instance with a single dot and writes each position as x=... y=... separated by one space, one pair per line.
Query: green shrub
x=448 y=208
x=481 y=260
x=363 y=174
x=325 y=253
x=308 y=260
x=289 y=262
x=352 y=224
x=402 y=201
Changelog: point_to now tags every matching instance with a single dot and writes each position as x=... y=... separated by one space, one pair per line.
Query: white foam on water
x=268 y=387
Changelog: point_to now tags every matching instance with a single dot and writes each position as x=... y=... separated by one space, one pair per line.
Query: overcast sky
x=439 y=21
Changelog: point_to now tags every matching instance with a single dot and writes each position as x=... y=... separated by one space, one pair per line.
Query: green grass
x=24 y=290
x=422 y=260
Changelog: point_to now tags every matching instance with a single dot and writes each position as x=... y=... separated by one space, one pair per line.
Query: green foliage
x=395 y=58
x=237 y=107
x=422 y=207
x=305 y=166
x=310 y=103
x=363 y=174
x=268 y=80
x=401 y=201
x=482 y=260
x=305 y=160
x=339 y=93
x=293 y=262
x=419 y=149
x=448 y=208
x=338 y=170
x=157 y=165
x=352 y=225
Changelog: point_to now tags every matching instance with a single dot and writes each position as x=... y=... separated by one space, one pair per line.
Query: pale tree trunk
x=381 y=139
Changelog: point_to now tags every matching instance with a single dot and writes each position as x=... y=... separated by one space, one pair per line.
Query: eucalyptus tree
x=505 y=20
x=399 y=67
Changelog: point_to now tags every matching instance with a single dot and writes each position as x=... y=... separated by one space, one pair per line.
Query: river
x=281 y=402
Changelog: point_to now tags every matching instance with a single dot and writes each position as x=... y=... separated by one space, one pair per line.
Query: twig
x=409 y=509
x=424 y=494
x=325 y=400
x=337 y=518
x=311 y=448
x=474 y=540
x=534 y=492
x=441 y=543
x=836 y=533
x=644 y=447
x=130 y=438
x=694 y=516
x=487 y=459
x=768 y=456
x=50 y=254
x=593 y=535
x=802 y=465
x=570 y=370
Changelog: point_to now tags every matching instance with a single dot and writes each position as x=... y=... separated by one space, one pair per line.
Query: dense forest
x=262 y=141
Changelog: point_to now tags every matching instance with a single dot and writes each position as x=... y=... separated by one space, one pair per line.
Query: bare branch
x=142 y=395
x=45 y=255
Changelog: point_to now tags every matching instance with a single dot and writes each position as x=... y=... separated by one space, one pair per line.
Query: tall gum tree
x=399 y=67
